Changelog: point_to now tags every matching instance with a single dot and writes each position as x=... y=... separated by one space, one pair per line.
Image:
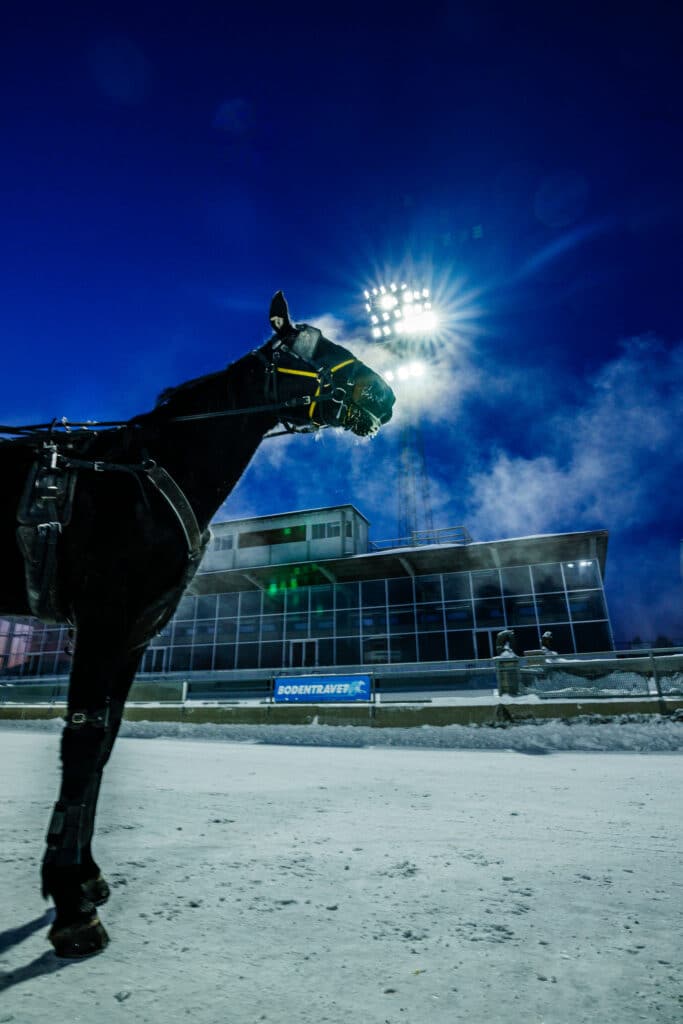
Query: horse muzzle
x=348 y=395
x=370 y=404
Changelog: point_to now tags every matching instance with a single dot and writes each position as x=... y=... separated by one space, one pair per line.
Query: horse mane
x=188 y=388
x=166 y=396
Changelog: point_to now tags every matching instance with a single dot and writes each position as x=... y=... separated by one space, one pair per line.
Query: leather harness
x=45 y=509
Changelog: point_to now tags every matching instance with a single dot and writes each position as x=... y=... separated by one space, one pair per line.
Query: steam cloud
x=614 y=461
x=610 y=460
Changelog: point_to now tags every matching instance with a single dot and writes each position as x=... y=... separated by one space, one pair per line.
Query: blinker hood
x=279 y=308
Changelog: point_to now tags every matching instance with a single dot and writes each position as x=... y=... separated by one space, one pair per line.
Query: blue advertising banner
x=314 y=689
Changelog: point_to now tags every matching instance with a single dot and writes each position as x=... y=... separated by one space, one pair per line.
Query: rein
x=92 y=426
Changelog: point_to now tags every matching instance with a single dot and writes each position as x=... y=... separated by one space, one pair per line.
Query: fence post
x=658 y=685
x=508 y=675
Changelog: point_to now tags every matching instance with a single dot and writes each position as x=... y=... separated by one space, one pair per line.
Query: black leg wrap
x=65 y=839
x=70 y=875
x=66 y=833
x=87 y=741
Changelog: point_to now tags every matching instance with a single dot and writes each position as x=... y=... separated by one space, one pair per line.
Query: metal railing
x=654 y=674
x=420 y=538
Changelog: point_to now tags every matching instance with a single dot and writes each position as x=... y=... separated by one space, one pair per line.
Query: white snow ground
x=292 y=875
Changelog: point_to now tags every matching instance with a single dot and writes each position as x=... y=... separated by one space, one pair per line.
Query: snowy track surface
x=268 y=881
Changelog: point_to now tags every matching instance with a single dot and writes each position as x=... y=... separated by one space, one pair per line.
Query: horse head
x=335 y=388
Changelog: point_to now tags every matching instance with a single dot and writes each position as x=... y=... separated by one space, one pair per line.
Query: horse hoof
x=78 y=940
x=96 y=890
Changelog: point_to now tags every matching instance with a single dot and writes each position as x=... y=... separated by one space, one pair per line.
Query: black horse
x=137 y=499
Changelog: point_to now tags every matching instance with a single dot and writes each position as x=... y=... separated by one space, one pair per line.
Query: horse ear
x=279 y=308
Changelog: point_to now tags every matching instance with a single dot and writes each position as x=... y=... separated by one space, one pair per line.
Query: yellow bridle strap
x=310 y=373
x=302 y=373
x=297 y=373
x=340 y=365
x=312 y=408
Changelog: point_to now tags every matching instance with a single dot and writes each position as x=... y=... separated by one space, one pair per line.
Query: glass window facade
x=437 y=617
x=322 y=530
x=224 y=543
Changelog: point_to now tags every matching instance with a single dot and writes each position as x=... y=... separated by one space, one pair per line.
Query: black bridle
x=332 y=394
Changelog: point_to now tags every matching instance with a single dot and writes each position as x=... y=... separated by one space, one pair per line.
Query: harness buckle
x=98 y=719
x=46 y=528
x=50 y=455
x=338 y=398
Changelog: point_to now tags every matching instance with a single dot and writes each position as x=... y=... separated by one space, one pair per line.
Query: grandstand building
x=310 y=590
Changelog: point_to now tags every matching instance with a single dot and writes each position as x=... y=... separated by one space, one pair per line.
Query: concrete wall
x=375 y=715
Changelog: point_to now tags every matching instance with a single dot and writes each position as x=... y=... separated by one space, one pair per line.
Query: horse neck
x=206 y=457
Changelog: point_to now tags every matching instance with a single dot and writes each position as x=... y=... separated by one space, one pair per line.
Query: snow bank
x=634 y=733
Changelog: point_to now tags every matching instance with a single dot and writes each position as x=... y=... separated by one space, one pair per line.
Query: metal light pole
x=402 y=319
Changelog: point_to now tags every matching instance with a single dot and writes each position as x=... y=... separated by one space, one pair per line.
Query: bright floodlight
x=400 y=310
x=411 y=371
x=417 y=322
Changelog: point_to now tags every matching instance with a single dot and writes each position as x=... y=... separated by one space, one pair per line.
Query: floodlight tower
x=402 y=319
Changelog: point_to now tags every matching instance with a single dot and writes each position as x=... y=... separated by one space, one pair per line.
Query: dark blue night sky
x=163 y=172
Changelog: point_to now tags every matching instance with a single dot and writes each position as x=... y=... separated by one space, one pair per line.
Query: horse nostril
x=389 y=407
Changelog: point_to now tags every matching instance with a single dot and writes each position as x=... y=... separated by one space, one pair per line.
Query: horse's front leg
x=69 y=873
